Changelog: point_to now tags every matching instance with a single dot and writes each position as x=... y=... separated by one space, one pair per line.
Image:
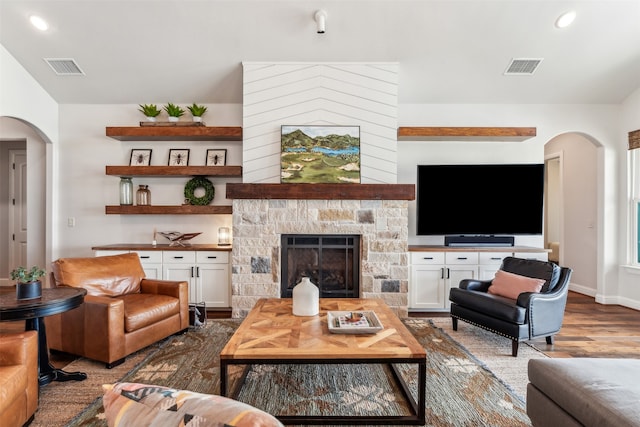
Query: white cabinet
x=206 y=272
x=427 y=281
x=434 y=272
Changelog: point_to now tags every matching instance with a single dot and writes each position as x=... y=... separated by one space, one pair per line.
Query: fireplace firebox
x=331 y=262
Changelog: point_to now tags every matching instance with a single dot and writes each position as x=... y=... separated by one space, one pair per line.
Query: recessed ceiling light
x=39 y=23
x=565 y=19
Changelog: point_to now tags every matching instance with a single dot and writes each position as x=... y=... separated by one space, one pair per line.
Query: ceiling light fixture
x=320 y=18
x=39 y=23
x=565 y=19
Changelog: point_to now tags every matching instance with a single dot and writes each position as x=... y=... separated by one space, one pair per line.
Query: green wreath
x=195 y=183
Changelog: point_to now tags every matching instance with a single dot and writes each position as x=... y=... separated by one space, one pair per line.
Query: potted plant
x=150 y=111
x=28 y=285
x=197 y=111
x=174 y=111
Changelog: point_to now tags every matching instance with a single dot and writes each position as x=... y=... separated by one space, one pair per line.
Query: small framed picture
x=216 y=157
x=179 y=157
x=140 y=157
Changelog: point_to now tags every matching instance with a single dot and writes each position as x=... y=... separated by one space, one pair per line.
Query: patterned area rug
x=460 y=390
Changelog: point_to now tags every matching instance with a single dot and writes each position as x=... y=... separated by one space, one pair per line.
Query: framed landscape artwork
x=320 y=154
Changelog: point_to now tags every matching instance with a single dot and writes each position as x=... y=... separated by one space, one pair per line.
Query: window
x=634 y=208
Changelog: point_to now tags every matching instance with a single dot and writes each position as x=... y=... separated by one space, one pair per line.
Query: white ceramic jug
x=306 y=298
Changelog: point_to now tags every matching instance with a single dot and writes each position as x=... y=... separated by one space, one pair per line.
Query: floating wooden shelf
x=168 y=210
x=465 y=133
x=177 y=133
x=156 y=171
x=322 y=191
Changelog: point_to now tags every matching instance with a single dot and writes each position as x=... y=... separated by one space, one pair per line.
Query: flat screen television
x=480 y=199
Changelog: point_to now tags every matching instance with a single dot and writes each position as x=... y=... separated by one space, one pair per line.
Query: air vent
x=64 y=66
x=522 y=66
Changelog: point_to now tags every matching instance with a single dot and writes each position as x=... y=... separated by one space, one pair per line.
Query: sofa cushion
x=492 y=305
x=548 y=271
x=598 y=392
x=110 y=275
x=511 y=285
x=142 y=310
x=130 y=404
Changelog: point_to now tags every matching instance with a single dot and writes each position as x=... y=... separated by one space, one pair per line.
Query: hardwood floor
x=589 y=329
x=595 y=330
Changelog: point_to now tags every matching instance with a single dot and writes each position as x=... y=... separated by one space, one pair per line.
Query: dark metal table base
x=418 y=409
x=47 y=372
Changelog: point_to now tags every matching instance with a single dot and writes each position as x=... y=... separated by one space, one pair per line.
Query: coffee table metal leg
x=223 y=378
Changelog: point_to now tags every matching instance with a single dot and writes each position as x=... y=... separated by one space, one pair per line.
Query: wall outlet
x=71 y=222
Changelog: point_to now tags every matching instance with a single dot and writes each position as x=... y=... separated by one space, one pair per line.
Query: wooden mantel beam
x=322 y=191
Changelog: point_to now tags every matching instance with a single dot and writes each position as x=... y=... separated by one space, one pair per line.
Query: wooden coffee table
x=271 y=334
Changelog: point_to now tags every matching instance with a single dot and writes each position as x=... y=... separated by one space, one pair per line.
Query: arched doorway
x=575 y=219
x=38 y=221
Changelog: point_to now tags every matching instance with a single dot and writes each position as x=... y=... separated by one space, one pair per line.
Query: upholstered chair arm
x=18 y=348
x=475 y=285
x=176 y=289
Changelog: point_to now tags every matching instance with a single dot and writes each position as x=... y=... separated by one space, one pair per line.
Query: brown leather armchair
x=18 y=377
x=123 y=311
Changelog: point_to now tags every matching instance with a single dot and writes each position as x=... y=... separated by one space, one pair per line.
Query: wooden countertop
x=161 y=247
x=441 y=248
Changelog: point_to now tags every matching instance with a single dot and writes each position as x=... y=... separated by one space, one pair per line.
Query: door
x=17 y=209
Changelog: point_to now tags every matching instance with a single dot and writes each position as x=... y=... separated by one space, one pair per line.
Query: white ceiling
x=449 y=51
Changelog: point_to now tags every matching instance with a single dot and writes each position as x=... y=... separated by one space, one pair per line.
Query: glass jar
x=143 y=195
x=126 y=191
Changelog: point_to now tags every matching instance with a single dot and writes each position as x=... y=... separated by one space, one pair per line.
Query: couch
x=584 y=392
x=525 y=300
x=123 y=311
x=18 y=377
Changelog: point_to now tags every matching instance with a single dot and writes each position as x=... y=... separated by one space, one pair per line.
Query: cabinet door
x=490 y=263
x=183 y=272
x=455 y=273
x=212 y=274
x=427 y=287
x=151 y=263
x=213 y=282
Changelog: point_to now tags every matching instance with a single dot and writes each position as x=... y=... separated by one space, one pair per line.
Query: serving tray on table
x=340 y=322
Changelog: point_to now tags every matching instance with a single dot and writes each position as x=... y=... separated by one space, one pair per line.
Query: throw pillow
x=131 y=404
x=511 y=285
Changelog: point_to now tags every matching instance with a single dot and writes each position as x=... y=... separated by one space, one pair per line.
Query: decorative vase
x=29 y=290
x=126 y=191
x=143 y=195
x=306 y=298
x=151 y=119
x=173 y=119
x=197 y=119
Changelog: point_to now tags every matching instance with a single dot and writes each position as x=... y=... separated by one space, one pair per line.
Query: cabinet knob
x=145 y=257
x=428 y=257
x=178 y=257
x=212 y=257
x=462 y=257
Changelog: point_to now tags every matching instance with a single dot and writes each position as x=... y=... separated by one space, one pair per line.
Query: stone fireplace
x=259 y=223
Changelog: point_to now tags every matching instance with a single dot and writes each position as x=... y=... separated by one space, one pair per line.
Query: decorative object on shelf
x=216 y=157
x=353 y=322
x=154 y=241
x=150 y=111
x=28 y=285
x=320 y=154
x=195 y=183
x=143 y=195
x=140 y=157
x=179 y=239
x=174 y=112
x=224 y=236
x=306 y=298
x=197 y=111
x=126 y=191
x=179 y=157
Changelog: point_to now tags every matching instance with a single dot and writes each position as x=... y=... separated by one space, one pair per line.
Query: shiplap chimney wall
x=361 y=94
